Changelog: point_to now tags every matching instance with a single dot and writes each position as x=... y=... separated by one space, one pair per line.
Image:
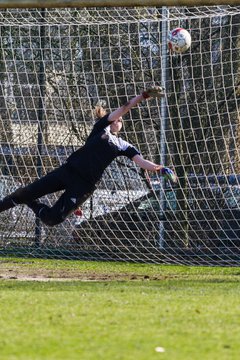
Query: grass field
x=90 y=310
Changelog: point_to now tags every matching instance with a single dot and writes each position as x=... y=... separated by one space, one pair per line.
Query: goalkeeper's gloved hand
x=154 y=92
x=168 y=174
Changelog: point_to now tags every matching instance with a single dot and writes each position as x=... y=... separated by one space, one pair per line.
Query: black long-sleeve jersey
x=100 y=149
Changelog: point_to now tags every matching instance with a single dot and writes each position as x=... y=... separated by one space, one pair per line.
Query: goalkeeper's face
x=116 y=125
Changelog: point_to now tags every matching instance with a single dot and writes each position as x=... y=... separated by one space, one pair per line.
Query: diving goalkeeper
x=83 y=169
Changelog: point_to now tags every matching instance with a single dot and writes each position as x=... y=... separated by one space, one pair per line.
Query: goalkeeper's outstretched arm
x=153 y=92
x=150 y=166
x=146 y=164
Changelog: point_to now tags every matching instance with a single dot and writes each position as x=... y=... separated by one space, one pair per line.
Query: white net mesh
x=56 y=65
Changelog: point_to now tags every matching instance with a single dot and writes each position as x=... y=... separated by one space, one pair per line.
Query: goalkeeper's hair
x=99 y=112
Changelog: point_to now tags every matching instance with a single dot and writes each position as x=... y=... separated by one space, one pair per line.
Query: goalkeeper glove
x=154 y=92
x=168 y=174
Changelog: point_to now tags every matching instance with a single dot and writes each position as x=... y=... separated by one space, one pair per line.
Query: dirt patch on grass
x=82 y=277
x=63 y=275
x=70 y=276
x=23 y=271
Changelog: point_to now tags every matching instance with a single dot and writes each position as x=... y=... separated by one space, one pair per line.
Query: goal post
x=57 y=64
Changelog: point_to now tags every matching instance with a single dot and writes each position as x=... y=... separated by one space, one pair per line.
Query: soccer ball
x=179 y=40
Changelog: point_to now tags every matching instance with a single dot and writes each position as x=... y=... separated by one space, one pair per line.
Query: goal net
x=56 y=65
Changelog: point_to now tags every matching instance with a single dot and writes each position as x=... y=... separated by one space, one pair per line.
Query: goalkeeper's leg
x=20 y=196
x=7 y=203
x=50 y=183
x=68 y=202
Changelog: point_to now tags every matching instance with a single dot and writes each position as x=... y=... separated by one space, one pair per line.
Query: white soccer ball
x=179 y=40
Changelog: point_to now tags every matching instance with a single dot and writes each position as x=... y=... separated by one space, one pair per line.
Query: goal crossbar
x=109 y=3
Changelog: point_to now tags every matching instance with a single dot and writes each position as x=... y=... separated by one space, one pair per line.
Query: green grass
x=192 y=312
